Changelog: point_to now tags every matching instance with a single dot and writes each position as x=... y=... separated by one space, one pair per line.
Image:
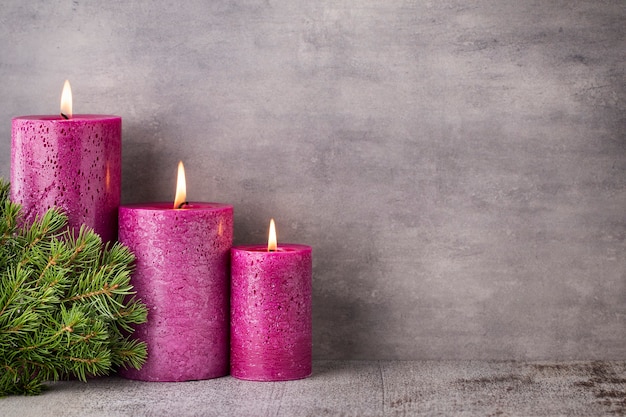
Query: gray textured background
x=458 y=166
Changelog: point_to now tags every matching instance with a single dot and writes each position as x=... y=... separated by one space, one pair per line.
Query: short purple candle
x=73 y=164
x=271 y=333
x=181 y=274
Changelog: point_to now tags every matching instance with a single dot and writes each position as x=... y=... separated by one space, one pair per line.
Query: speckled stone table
x=355 y=388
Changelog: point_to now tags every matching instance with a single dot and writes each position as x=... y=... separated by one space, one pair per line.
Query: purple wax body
x=72 y=164
x=271 y=333
x=181 y=274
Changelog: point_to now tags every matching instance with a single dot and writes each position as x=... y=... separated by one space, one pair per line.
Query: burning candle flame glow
x=181 y=187
x=66 y=100
x=272 y=243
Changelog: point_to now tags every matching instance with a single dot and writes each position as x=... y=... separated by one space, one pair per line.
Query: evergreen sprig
x=66 y=303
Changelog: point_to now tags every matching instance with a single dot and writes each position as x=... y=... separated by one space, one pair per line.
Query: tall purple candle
x=271 y=333
x=72 y=164
x=181 y=274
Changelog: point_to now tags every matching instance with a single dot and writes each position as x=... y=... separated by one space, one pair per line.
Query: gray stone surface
x=354 y=388
x=458 y=166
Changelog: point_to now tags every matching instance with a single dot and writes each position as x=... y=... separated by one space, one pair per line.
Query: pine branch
x=66 y=303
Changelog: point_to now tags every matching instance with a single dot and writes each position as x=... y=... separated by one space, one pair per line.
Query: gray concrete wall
x=458 y=166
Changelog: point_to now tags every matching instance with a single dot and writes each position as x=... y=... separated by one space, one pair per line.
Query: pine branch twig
x=66 y=303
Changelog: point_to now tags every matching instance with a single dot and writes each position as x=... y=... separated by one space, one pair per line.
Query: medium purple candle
x=271 y=333
x=69 y=162
x=181 y=274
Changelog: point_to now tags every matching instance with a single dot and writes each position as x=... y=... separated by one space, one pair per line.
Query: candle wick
x=184 y=203
x=64 y=116
x=271 y=250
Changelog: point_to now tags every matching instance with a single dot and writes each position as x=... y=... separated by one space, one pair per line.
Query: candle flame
x=66 y=100
x=181 y=187
x=272 y=243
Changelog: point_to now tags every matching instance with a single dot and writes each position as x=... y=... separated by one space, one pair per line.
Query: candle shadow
x=349 y=315
x=338 y=368
x=341 y=328
x=141 y=169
